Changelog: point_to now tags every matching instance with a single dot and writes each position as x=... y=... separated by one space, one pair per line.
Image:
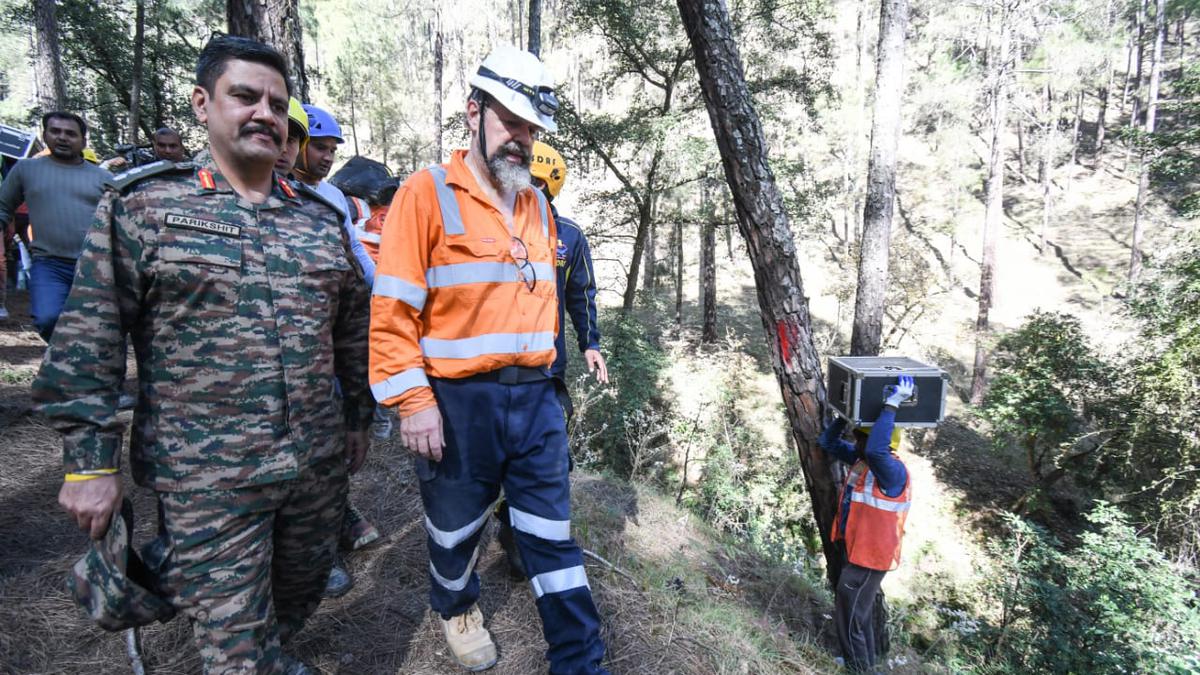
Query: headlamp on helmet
x=518 y=81
x=542 y=98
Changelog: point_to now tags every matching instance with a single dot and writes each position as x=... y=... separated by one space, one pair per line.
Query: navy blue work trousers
x=509 y=436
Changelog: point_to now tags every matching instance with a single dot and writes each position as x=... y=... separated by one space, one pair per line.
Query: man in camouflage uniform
x=242 y=304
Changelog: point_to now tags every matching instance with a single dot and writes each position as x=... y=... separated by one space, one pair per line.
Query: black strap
x=512 y=375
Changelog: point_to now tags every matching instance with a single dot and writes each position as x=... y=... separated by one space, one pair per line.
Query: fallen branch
x=618 y=570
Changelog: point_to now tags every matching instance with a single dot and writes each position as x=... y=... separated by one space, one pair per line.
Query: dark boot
x=516 y=566
x=340 y=582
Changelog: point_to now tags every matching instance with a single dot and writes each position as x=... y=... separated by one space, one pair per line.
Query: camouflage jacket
x=240 y=316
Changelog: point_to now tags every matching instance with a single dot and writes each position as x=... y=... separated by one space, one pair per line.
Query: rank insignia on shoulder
x=182 y=222
x=127 y=178
x=206 y=179
x=312 y=193
x=287 y=189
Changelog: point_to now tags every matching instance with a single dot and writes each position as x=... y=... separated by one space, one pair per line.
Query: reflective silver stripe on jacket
x=399 y=383
x=458 y=274
x=388 y=286
x=369 y=237
x=541 y=200
x=488 y=343
x=452 y=222
x=867 y=496
x=559 y=581
x=542 y=528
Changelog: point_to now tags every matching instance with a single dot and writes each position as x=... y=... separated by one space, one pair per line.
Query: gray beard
x=510 y=178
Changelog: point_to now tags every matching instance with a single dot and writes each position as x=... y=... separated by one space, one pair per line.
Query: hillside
x=681 y=599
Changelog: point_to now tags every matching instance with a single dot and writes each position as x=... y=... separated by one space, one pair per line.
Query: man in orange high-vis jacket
x=463 y=320
x=368 y=223
x=872 y=509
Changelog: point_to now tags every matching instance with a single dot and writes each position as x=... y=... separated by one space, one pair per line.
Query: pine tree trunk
x=677 y=252
x=850 y=194
x=1144 y=158
x=139 y=51
x=763 y=222
x=1075 y=128
x=277 y=23
x=1180 y=32
x=47 y=65
x=535 y=27
x=354 y=118
x=1103 y=92
x=639 y=244
x=1021 y=150
x=649 y=278
x=1100 y=116
x=1125 y=85
x=1046 y=162
x=645 y=218
x=994 y=204
x=708 y=279
x=155 y=58
x=1136 y=111
x=881 y=180
x=438 y=92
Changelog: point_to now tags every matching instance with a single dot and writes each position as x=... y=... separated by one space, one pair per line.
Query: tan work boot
x=469 y=641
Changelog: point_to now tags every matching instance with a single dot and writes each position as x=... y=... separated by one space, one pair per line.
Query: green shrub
x=1110 y=604
x=1046 y=391
x=607 y=418
x=1158 y=443
x=746 y=488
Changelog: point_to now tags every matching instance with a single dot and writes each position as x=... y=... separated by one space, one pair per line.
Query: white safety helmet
x=518 y=81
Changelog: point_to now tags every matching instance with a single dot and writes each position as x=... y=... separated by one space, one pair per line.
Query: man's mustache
x=515 y=148
x=261 y=128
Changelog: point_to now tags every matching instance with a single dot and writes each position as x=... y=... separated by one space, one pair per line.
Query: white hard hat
x=519 y=82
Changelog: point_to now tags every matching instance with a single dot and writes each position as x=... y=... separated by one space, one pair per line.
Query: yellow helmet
x=91 y=156
x=894 y=443
x=549 y=166
x=296 y=114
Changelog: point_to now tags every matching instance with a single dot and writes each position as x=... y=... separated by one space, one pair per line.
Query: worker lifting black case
x=858 y=385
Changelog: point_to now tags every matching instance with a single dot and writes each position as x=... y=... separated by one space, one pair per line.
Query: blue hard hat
x=321 y=124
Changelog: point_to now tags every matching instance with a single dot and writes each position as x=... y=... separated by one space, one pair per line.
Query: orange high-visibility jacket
x=875 y=524
x=368 y=224
x=448 y=300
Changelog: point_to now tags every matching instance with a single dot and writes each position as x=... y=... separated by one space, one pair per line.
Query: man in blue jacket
x=576 y=298
x=872 y=511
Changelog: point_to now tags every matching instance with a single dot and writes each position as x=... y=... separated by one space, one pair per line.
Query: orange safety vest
x=875 y=524
x=448 y=299
x=368 y=224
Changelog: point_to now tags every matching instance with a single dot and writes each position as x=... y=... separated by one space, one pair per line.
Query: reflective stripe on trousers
x=509 y=436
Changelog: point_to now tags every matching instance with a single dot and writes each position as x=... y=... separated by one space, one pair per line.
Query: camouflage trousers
x=248 y=566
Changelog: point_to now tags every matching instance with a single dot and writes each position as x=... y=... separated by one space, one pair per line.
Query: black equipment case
x=15 y=143
x=858 y=385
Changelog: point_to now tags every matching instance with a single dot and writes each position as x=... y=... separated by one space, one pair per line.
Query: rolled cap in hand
x=113 y=584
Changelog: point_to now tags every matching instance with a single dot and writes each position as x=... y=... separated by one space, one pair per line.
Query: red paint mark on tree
x=785 y=344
